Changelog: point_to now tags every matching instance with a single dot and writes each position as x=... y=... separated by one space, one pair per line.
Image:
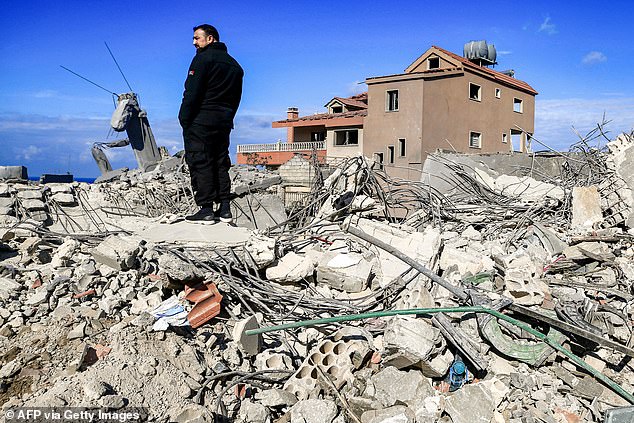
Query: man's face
x=201 y=39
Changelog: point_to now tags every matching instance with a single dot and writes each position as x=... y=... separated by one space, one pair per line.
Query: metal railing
x=282 y=146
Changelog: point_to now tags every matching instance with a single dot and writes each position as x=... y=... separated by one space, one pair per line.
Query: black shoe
x=204 y=215
x=224 y=212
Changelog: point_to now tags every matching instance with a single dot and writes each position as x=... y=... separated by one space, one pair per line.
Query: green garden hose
x=467 y=309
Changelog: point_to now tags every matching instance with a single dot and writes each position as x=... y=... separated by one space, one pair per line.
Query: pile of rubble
x=480 y=297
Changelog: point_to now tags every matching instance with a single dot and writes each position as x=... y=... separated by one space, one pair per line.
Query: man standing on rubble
x=213 y=90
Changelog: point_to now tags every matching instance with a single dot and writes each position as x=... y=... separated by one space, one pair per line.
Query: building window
x=348 y=137
x=505 y=138
x=433 y=63
x=390 y=154
x=475 y=140
x=518 y=105
x=516 y=140
x=474 y=92
x=379 y=159
x=336 y=109
x=498 y=93
x=401 y=147
x=391 y=100
x=318 y=136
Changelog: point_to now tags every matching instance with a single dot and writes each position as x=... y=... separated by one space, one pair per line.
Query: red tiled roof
x=495 y=74
x=361 y=97
x=326 y=116
x=350 y=102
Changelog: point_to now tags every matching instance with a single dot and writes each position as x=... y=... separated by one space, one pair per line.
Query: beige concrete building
x=441 y=101
x=444 y=101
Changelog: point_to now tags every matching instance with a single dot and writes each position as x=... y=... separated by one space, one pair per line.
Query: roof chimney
x=292 y=113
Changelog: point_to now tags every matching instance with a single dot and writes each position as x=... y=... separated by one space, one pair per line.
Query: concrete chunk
x=314 y=411
x=248 y=344
x=395 y=414
x=291 y=268
x=116 y=252
x=30 y=194
x=470 y=404
x=421 y=246
x=392 y=386
x=349 y=272
x=177 y=269
x=13 y=172
x=33 y=205
x=8 y=287
x=251 y=412
x=414 y=342
x=64 y=199
x=586 y=207
x=275 y=398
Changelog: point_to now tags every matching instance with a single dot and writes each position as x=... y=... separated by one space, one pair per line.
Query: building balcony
x=278 y=153
x=296 y=146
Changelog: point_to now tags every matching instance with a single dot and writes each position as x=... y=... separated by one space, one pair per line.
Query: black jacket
x=213 y=88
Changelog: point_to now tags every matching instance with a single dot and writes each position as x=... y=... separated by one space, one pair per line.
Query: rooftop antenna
x=118 y=67
x=88 y=80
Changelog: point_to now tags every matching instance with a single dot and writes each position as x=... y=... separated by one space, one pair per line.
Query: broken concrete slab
x=422 y=246
x=527 y=189
x=291 y=268
x=117 y=252
x=33 y=205
x=258 y=211
x=414 y=342
x=64 y=199
x=470 y=404
x=183 y=232
x=248 y=344
x=5 y=190
x=349 y=272
x=314 y=411
x=251 y=412
x=275 y=398
x=465 y=260
x=392 y=386
x=178 y=270
x=8 y=287
x=524 y=289
x=586 y=207
x=394 y=414
x=30 y=194
x=13 y=172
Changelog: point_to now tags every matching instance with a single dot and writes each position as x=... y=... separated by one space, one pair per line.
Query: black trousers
x=207 y=156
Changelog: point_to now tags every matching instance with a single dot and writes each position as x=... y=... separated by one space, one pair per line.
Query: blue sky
x=578 y=56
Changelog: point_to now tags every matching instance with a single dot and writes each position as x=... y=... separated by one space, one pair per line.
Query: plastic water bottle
x=458 y=374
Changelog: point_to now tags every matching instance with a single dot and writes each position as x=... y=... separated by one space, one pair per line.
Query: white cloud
x=556 y=118
x=548 y=27
x=593 y=57
x=45 y=94
x=29 y=152
x=504 y=52
x=356 y=87
x=57 y=144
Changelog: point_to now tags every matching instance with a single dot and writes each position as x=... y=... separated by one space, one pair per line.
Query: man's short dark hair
x=209 y=30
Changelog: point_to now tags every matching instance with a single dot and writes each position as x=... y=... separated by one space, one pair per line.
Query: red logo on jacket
x=191 y=73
